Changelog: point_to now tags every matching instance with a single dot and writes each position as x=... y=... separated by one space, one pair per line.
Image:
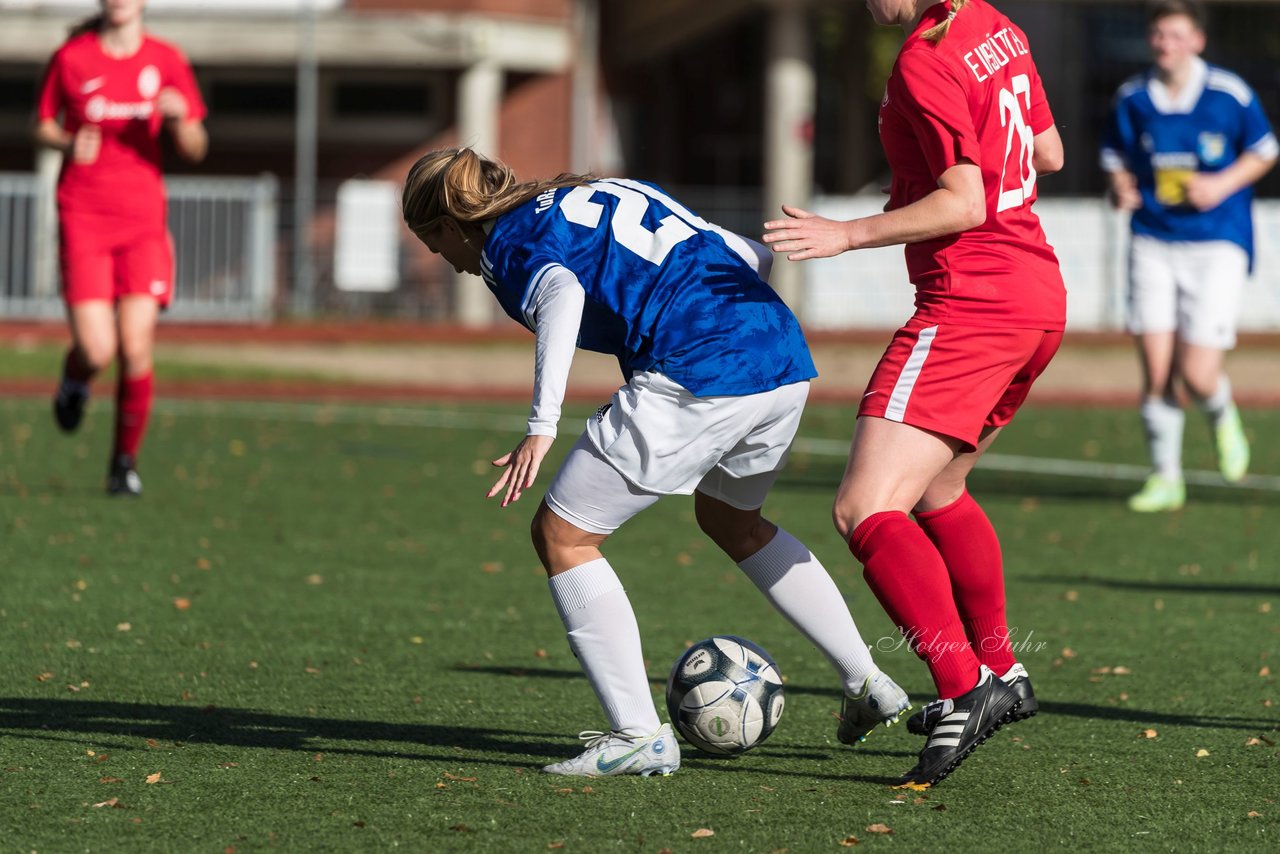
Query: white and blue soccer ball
x=725 y=695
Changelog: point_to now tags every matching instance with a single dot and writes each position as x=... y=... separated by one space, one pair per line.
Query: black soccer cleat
x=1017 y=678
x=122 y=478
x=68 y=406
x=963 y=724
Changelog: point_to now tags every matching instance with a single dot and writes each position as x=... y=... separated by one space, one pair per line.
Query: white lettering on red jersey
x=974 y=97
x=83 y=85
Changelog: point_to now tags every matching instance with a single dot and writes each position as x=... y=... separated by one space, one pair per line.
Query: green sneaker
x=1159 y=494
x=1233 y=447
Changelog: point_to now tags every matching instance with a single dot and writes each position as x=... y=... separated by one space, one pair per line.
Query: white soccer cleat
x=610 y=754
x=881 y=702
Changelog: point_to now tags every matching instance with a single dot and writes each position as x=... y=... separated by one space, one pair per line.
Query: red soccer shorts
x=957 y=379
x=100 y=265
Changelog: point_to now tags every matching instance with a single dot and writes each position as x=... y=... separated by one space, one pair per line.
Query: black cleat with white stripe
x=1017 y=678
x=962 y=724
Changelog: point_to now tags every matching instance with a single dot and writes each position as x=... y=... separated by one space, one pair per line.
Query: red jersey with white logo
x=974 y=96
x=118 y=94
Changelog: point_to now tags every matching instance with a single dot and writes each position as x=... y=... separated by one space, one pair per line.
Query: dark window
x=232 y=98
x=363 y=99
x=17 y=96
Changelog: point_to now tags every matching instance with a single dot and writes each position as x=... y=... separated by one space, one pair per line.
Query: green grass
x=44 y=362
x=320 y=637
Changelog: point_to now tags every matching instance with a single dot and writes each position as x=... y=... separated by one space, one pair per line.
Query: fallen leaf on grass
x=552 y=846
x=848 y=842
x=1201 y=753
x=1148 y=733
x=703 y=833
x=153 y=778
x=449 y=776
x=1264 y=672
x=1254 y=814
x=357 y=824
x=460 y=828
x=182 y=603
x=110 y=780
x=114 y=803
x=44 y=677
x=124 y=627
x=879 y=828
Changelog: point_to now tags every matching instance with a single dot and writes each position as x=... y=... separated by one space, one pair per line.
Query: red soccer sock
x=133 y=406
x=75 y=368
x=968 y=544
x=907 y=575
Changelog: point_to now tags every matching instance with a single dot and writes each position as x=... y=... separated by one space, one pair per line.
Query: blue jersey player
x=1185 y=144
x=716 y=375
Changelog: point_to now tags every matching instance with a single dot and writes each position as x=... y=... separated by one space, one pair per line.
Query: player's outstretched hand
x=172 y=104
x=805 y=235
x=522 y=466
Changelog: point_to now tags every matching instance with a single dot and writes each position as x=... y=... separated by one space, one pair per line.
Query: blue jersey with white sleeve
x=666 y=291
x=1164 y=139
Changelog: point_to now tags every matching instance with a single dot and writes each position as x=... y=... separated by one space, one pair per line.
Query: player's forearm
x=947 y=210
x=1246 y=171
x=558 y=318
x=1048 y=154
x=190 y=139
x=50 y=134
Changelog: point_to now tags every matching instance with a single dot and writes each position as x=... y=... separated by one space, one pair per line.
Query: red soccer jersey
x=118 y=94
x=975 y=96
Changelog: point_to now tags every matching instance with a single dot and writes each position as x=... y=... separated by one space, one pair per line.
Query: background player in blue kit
x=717 y=372
x=1184 y=147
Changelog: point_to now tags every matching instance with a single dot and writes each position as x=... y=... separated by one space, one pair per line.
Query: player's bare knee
x=98 y=354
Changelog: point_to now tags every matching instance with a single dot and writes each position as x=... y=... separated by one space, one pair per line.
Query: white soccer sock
x=604 y=636
x=798 y=585
x=1216 y=405
x=1163 y=420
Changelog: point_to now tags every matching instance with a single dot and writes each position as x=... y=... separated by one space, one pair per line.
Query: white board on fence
x=367 y=248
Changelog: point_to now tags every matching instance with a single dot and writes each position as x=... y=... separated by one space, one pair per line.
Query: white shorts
x=655 y=438
x=1192 y=288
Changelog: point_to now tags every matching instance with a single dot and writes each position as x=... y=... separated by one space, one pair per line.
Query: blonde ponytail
x=463 y=185
x=936 y=33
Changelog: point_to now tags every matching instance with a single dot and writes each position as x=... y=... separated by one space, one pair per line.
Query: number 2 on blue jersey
x=628 y=218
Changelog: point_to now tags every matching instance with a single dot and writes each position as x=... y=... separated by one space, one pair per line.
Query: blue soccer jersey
x=665 y=290
x=1164 y=139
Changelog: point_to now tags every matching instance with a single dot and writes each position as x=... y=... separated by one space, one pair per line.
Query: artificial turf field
x=313 y=633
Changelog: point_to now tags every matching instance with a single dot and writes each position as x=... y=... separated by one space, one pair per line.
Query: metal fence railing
x=224 y=232
x=234 y=259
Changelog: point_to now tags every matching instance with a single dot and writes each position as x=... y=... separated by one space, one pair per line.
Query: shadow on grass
x=233 y=727
x=1082 y=710
x=125 y=726
x=1159 y=586
x=1148 y=716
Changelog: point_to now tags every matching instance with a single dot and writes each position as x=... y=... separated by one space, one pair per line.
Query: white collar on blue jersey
x=1187 y=99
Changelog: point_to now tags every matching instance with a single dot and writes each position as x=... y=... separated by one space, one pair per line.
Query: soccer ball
x=724 y=695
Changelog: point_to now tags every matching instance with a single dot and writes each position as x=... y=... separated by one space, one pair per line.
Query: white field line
x=1064 y=468
x=392 y=416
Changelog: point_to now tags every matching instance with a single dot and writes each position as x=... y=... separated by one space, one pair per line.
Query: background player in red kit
x=966 y=128
x=116 y=88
